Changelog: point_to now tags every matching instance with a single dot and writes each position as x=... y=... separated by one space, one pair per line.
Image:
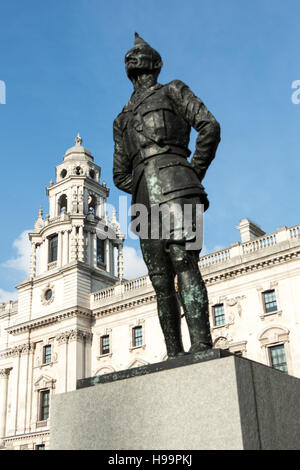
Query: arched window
x=62 y=203
x=92 y=204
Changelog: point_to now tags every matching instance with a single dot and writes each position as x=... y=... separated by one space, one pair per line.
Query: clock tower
x=72 y=248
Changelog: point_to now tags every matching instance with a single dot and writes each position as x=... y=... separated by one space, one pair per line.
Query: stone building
x=77 y=317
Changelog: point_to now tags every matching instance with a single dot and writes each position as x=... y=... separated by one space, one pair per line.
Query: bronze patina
x=151 y=137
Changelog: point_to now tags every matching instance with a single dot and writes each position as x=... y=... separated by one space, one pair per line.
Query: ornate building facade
x=77 y=317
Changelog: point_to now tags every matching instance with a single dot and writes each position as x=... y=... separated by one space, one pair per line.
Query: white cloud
x=6 y=296
x=206 y=251
x=21 y=261
x=134 y=265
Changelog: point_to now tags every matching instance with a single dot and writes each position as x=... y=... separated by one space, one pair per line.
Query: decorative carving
x=104 y=370
x=73 y=335
x=4 y=373
x=44 y=381
x=235 y=307
x=47 y=296
x=221 y=343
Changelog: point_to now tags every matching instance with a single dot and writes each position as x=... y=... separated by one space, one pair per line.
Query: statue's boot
x=170 y=321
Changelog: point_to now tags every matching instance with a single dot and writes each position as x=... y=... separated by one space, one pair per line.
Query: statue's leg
x=193 y=295
x=162 y=278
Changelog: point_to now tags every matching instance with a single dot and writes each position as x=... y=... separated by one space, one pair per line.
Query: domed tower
x=72 y=247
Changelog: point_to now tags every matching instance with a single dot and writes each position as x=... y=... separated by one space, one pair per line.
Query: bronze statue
x=151 y=137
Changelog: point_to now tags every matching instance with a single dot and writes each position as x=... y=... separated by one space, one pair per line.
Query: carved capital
x=4 y=373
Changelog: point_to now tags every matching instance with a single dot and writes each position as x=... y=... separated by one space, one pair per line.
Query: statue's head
x=142 y=58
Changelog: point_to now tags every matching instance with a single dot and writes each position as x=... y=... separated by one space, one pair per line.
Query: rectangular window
x=137 y=336
x=270 y=301
x=47 y=354
x=100 y=251
x=278 y=357
x=40 y=447
x=105 y=344
x=219 y=314
x=53 y=244
x=44 y=405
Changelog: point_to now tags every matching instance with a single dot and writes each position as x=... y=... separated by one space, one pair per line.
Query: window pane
x=47 y=354
x=278 y=358
x=53 y=243
x=137 y=336
x=45 y=403
x=100 y=251
x=105 y=346
x=219 y=314
x=270 y=301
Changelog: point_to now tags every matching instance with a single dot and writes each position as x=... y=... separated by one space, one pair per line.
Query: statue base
x=210 y=400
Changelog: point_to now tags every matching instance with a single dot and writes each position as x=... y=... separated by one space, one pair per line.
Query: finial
x=114 y=215
x=78 y=140
x=138 y=40
x=41 y=212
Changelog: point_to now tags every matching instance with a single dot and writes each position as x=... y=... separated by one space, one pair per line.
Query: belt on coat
x=155 y=150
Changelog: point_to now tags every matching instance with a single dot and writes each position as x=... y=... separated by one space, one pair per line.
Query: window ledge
x=264 y=314
x=42 y=424
x=224 y=325
x=137 y=347
x=44 y=364
x=104 y=355
x=52 y=265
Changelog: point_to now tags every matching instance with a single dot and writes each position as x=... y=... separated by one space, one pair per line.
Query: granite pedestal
x=204 y=401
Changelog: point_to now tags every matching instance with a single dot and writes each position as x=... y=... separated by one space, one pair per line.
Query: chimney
x=249 y=230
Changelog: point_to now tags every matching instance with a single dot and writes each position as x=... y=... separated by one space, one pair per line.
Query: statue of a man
x=151 y=137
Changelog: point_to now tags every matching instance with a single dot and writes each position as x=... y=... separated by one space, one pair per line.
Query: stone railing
x=295 y=231
x=259 y=243
x=215 y=258
x=136 y=283
x=121 y=291
x=9 y=307
x=104 y=294
x=283 y=238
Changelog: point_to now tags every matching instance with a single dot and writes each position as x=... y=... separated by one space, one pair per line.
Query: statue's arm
x=122 y=169
x=194 y=111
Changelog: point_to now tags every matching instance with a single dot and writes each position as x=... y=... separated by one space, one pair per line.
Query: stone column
x=80 y=244
x=94 y=250
x=33 y=260
x=4 y=374
x=62 y=340
x=74 y=244
x=107 y=255
x=59 y=249
x=65 y=253
x=120 y=262
x=89 y=249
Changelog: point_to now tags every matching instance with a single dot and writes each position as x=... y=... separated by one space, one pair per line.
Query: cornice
x=61 y=272
x=17 y=350
x=40 y=322
x=128 y=304
x=212 y=278
x=26 y=436
x=245 y=268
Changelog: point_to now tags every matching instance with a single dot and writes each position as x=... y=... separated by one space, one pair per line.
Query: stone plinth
x=209 y=401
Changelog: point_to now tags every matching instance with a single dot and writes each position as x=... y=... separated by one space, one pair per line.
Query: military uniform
x=156 y=127
x=151 y=137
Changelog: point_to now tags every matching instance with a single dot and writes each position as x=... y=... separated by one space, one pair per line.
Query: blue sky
x=63 y=66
